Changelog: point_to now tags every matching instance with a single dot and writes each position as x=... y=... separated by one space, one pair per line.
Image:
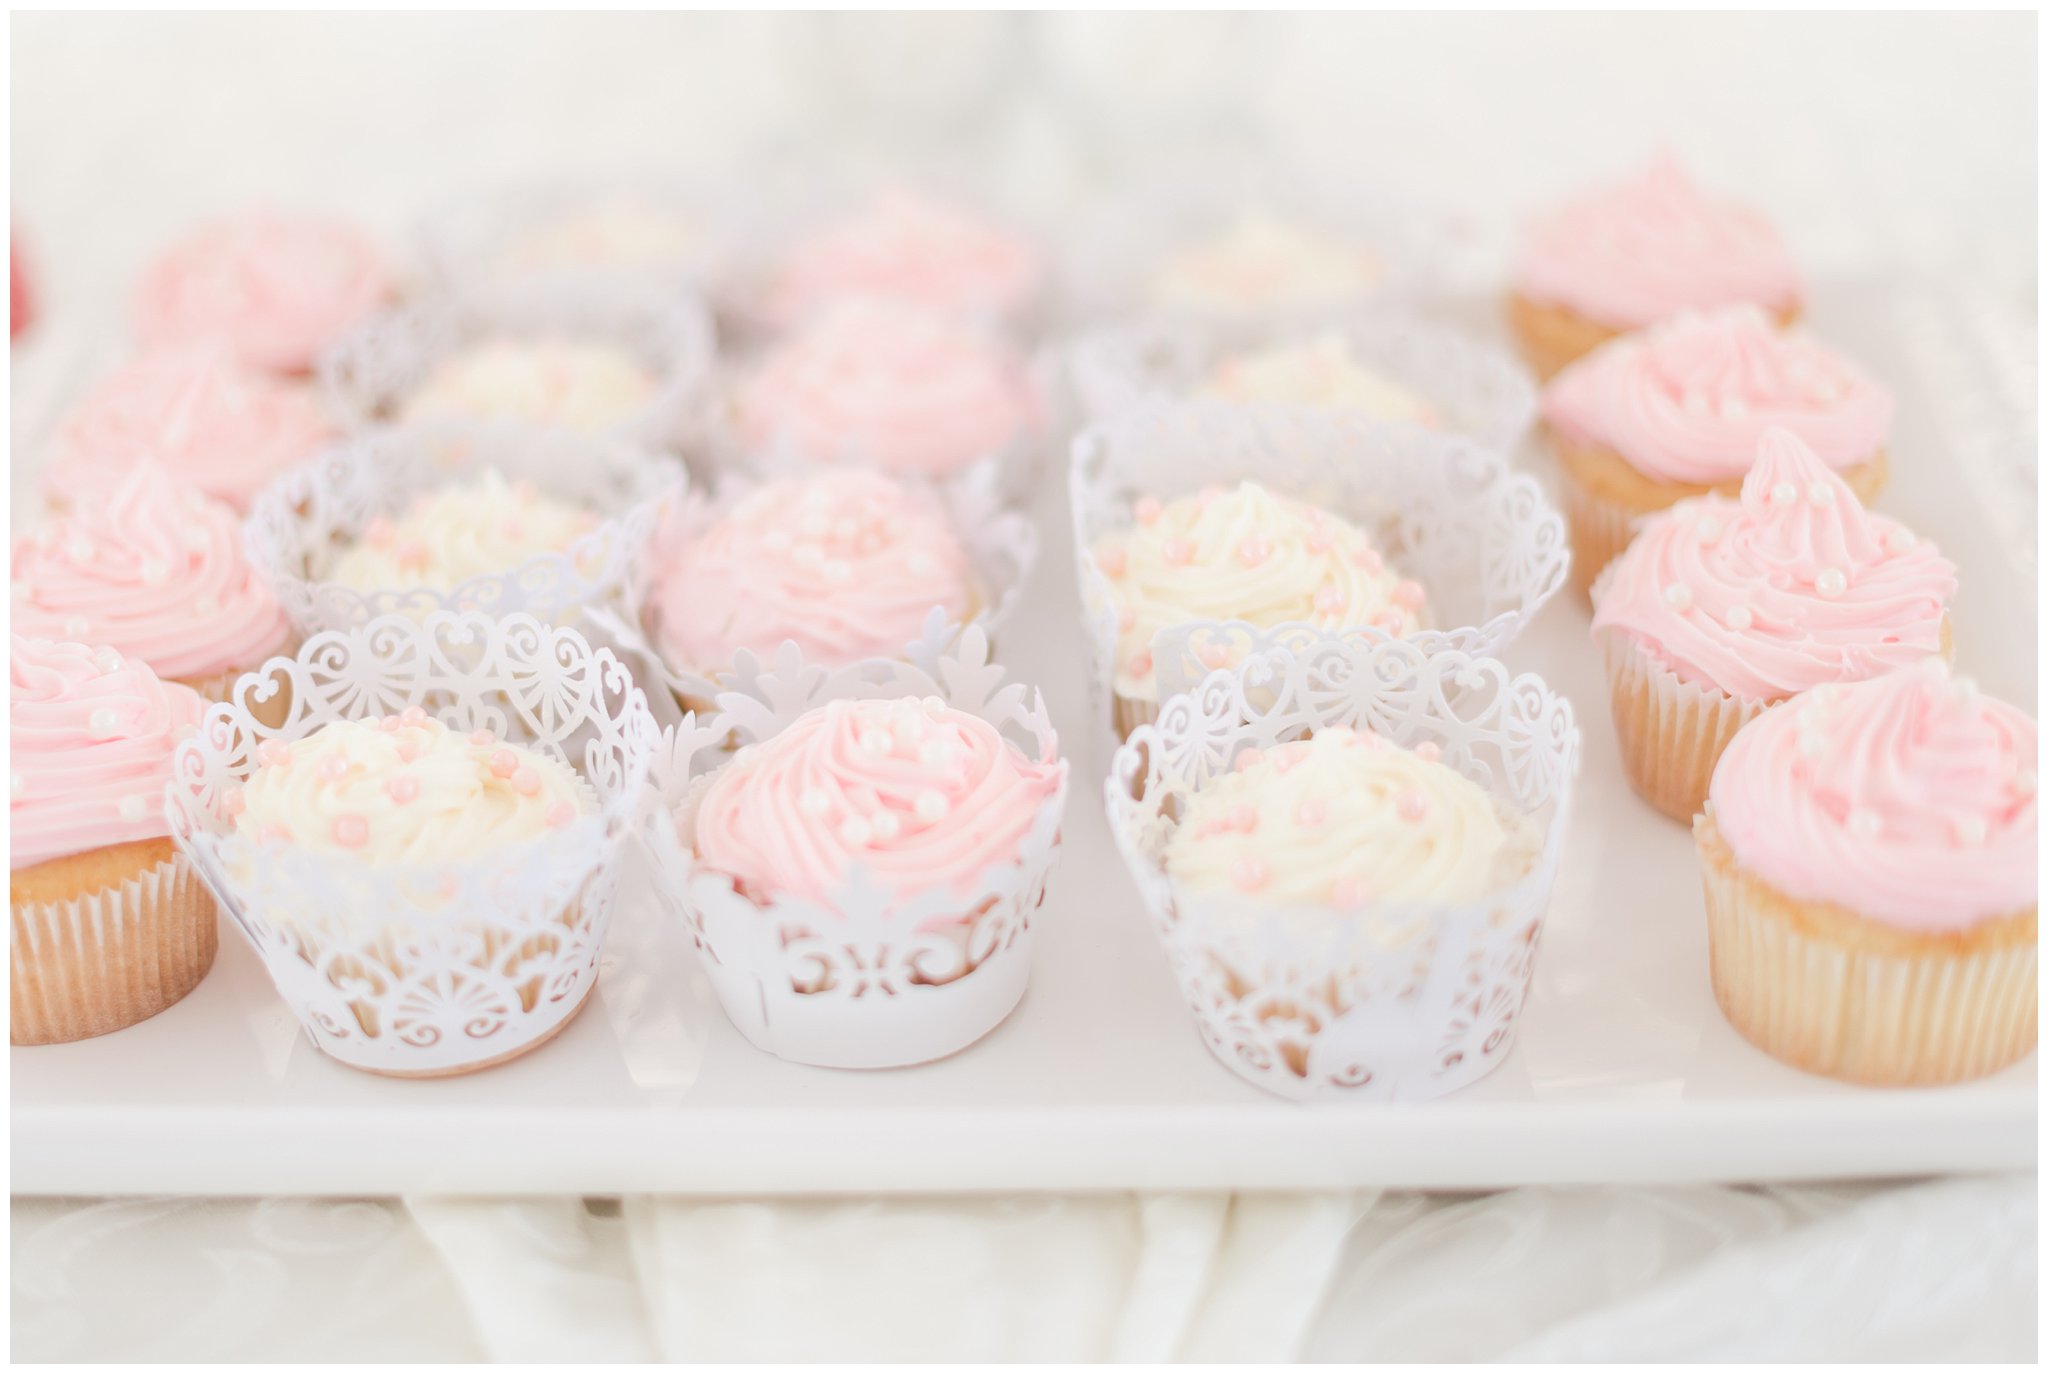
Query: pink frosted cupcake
x=1634 y=252
x=275 y=289
x=155 y=570
x=906 y=247
x=215 y=425
x=1676 y=411
x=849 y=564
x=1871 y=857
x=887 y=385
x=1723 y=607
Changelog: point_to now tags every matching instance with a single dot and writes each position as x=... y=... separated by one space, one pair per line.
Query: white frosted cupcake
x=583 y=385
x=1321 y=372
x=1262 y=263
x=475 y=528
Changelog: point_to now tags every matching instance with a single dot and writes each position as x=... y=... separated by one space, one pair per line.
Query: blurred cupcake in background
x=587 y=386
x=1259 y=262
x=1676 y=411
x=617 y=232
x=1631 y=253
x=275 y=289
x=1323 y=372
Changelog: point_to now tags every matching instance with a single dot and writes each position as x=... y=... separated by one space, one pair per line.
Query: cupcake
x=1260 y=263
x=1676 y=411
x=1721 y=607
x=214 y=424
x=849 y=564
x=274 y=289
x=906 y=247
x=156 y=571
x=1627 y=255
x=1871 y=873
x=888 y=385
x=861 y=875
x=1347 y=851
x=110 y=923
x=429 y=892
x=1244 y=554
x=475 y=528
x=1320 y=372
x=585 y=386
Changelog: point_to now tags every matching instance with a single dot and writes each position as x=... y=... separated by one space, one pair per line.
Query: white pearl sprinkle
x=1695 y=403
x=1970 y=830
x=935 y=753
x=807 y=556
x=1832 y=582
x=155 y=572
x=923 y=565
x=1708 y=529
x=817 y=497
x=845 y=528
x=105 y=661
x=16 y=785
x=133 y=809
x=931 y=806
x=1965 y=688
x=1739 y=617
x=856 y=832
x=79 y=550
x=102 y=722
x=1824 y=391
x=836 y=570
x=76 y=627
x=207 y=605
x=1733 y=407
x=1812 y=743
x=877 y=741
x=777 y=541
x=1898 y=539
x=813 y=802
x=2024 y=782
x=1865 y=824
x=814 y=525
x=1678 y=596
x=887 y=826
x=1820 y=494
x=1784 y=494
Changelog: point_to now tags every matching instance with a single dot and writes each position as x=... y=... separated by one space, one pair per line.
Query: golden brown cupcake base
x=1823 y=989
x=103 y=940
x=1553 y=337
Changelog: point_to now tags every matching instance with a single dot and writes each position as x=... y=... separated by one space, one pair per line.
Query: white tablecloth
x=1891 y=141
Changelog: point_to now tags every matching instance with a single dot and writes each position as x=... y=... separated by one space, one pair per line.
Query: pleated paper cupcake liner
x=1671 y=732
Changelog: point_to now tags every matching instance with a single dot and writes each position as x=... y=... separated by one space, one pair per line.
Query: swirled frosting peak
x=219 y=426
x=1631 y=253
x=1342 y=818
x=276 y=289
x=1791 y=586
x=1908 y=799
x=89 y=736
x=1687 y=400
x=1246 y=554
x=890 y=385
x=575 y=384
x=926 y=797
x=1318 y=372
x=1260 y=261
x=155 y=570
x=476 y=528
x=404 y=790
x=848 y=563
x=908 y=247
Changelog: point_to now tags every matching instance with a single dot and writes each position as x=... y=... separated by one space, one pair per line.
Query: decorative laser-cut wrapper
x=1001 y=543
x=860 y=980
x=307 y=517
x=1391 y=1002
x=437 y=969
x=367 y=375
x=1481 y=392
x=462 y=243
x=1482 y=540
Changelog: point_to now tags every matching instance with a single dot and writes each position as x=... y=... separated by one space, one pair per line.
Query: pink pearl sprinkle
x=1390 y=621
x=1249 y=874
x=1177 y=551
x=413 y=716
x=1244 y=818
x=1126 y=618
x=504 y=763
x=1350 y=892
x=351 y=832
x=483 y=738
x=1250 y=758
x=560 y=814
x=1408 y=594
x=1253 y=551
x=1209 y=830
x=1367 y=557
x=334 y=768
x=388 y=723
x=1113 y=562
x=1287 y=756
x=526 y=782
x=1312 y=814
x=1429 y=751
x=1141 y=664
x=402 y=789
x=408 y=750
x=1331 y=599
x=413 y=554
x=274 y=834
x=1411 y=806
x=379 y=531
x=1217 y=655
x=273 y=753
x=234 y=803
x=1318 y=541
x=1146 y=509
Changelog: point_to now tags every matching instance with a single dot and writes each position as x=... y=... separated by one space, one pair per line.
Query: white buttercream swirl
x=1260 y=261
x=1318 y=372
x=572 y=384
x=464 y=530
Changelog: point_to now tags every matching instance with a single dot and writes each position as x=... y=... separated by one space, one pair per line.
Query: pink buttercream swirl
x=926 y=797
x=217 y=425
x=1688 y=400
x=847 y=563
x=276 y=289
x=906 y=247
x=90 y=736
x=1908 y=799
x=157 y=571
x=890 y=385
x=1791 y=586
x=1633 y=252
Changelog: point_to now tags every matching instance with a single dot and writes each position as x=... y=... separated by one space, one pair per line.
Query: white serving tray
x=1625 y=1071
